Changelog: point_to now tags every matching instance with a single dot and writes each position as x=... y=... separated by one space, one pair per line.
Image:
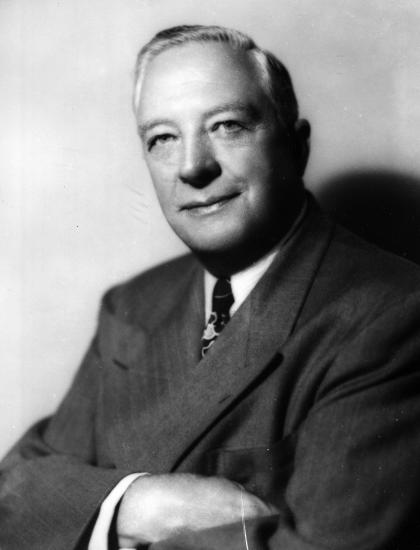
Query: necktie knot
x=221 y=303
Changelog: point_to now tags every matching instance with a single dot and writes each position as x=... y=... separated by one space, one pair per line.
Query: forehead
x=199 y=76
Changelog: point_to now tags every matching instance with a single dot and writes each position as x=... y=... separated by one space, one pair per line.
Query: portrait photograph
x=210 y=274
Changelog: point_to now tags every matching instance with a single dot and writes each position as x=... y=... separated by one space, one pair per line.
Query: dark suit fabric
x=310 y=398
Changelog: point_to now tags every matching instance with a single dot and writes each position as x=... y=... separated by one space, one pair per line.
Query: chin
x=214 y=240
x=210 y=246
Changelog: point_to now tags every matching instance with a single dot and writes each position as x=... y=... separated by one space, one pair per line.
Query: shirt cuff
x=99 y=537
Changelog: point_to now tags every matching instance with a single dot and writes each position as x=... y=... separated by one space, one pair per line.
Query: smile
x=209 y=206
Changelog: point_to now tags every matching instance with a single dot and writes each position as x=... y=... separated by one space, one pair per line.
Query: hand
x=157 y=507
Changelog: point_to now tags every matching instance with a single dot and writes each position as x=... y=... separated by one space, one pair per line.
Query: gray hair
x=275 y=77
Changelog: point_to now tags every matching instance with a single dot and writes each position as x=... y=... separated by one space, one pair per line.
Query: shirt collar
x=244 y=281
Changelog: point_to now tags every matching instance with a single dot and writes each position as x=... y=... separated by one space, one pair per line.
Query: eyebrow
x=247 y=108
x=144 y=128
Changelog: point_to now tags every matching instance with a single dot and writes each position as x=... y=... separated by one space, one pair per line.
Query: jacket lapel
x=278 y=300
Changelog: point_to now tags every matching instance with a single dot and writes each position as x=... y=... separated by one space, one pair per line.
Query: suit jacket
x=309 y=398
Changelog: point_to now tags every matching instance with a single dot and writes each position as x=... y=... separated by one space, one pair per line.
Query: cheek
x=239 y=164
x=164 y=195
x=160 y=170
x=248 y=162
x=163 y=181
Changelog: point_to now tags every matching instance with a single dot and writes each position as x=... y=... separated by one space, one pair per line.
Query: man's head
x=218 y=119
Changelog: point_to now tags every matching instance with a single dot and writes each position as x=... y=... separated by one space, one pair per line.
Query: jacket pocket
x=265 y=470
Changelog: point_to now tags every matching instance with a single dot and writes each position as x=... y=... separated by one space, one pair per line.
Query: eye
x=228 y=127
x=159 y=140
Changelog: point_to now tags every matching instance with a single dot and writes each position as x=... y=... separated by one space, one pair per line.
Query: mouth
x=209 y=205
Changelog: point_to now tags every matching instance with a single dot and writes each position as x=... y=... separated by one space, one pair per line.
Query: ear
x=302 y=134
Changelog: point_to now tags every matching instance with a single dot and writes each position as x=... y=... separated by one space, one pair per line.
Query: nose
x=199 y=165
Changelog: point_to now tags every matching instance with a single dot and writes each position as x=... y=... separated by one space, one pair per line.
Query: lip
x=208 y=205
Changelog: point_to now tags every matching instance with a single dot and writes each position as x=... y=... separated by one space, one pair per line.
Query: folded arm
x=50 y=486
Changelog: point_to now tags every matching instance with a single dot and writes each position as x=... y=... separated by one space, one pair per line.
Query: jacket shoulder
x=367 y=265
x=148 y=291
x=358 y=281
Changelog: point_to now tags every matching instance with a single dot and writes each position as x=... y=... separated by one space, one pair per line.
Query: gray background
x=77 y=211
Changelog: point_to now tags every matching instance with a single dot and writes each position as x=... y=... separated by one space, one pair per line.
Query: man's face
x=219 y=160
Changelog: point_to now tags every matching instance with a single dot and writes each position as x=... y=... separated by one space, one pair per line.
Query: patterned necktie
x=222 y=302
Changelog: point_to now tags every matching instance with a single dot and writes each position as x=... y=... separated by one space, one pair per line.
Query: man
x=293 y=421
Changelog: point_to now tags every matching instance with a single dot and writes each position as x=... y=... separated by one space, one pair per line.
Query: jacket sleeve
x=356 y=475
x=50 y=486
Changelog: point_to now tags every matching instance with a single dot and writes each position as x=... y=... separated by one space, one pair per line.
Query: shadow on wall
x=381 y=206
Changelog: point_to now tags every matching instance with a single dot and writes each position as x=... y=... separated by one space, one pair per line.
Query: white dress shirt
x=242 y=283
